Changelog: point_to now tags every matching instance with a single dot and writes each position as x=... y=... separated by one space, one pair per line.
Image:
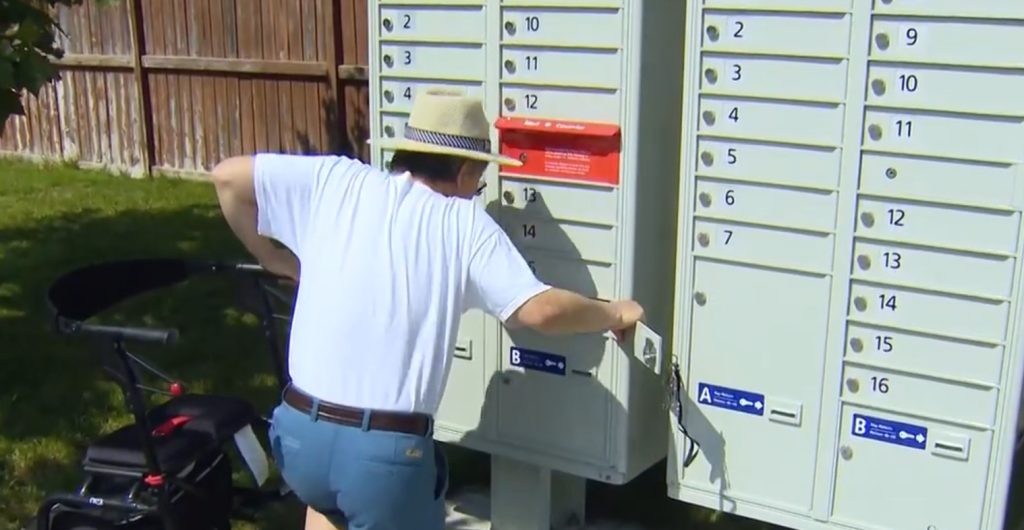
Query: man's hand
x=629 y=312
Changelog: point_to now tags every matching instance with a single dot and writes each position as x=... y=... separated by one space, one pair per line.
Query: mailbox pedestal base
x=528 y=497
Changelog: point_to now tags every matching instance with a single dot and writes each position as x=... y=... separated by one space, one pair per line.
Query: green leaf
x=6 y=74
x=33 y=71
x=10 y=104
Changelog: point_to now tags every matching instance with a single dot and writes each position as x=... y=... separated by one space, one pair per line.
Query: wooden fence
x=174 y=86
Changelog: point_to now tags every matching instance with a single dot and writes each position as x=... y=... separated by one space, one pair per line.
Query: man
x=388 y=265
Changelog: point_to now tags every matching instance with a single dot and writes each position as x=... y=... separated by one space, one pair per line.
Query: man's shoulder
x=319 y=165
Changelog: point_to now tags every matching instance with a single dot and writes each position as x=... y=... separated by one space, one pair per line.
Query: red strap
x=170 y=425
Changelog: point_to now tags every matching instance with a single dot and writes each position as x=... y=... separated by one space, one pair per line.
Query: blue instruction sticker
x=889 y=431
x=730 y=398
x=537 y=360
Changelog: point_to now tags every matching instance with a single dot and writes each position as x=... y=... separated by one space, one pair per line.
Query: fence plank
x=142 y=121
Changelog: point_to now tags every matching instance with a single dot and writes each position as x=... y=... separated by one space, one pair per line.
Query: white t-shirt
x=388 y=266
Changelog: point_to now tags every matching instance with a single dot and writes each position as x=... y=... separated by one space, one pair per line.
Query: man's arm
x=505 y=286
x=558 y=311
x=234 y=182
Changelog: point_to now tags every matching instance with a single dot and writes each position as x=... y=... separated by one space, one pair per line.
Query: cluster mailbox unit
x=850 y=248
x=587 y=93
x=819 y=204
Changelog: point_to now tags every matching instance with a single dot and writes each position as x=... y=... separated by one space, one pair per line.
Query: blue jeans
x=357 y=478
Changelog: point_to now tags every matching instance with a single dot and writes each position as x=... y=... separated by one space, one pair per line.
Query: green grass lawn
x=53 y=400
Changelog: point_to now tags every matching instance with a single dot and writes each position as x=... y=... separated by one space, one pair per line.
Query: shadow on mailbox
x=696 y=427
x=546 y=396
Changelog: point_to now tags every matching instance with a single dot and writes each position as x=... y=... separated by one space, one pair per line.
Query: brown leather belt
x=406 y=422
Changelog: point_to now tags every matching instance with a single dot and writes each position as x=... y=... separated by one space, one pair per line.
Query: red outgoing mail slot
x=561 y=150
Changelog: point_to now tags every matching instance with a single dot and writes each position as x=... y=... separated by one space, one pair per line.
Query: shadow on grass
x=54 y=398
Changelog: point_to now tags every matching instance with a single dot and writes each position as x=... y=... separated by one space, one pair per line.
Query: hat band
x=454 y=141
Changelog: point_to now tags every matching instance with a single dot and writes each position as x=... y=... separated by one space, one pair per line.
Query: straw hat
x=447 y=122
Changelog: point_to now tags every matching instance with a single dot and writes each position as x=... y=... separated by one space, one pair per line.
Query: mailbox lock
x=709 y=117
x=712 y=32
x=867 y=219
x=522 y=157
x=711 y=75
x=860 y=303
x=882 y=41
x=389 y=96
x=510 y=27
x=700 y=298
x=389 y=131
x=510 y=66
x=510 y=198
x=705 y=199
x=856 y=345
x=864 y=262
x=510 y=104
x=387 y=24
x=846 y=452
x=878 y=86
x=703 y=239
x=707 y=158
x=890 y=173
x=853 y=385
x=389 y=61
x=875 y=131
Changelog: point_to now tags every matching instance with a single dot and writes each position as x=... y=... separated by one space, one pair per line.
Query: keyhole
x=709 y=117
x=856 y=345
x=389 y=61
x=510 y=66
x=712 y=32
x=882 y=41
x=510 y=104
x=867 y=219
x=875 y=132
x=878 y=86
x=388 y=25
x=860 y=303
x=864 y=262
x=853 y=385
x=389 y=96
x=510 y=27
x=510 y=198
x=707 y=158
x=711 y=75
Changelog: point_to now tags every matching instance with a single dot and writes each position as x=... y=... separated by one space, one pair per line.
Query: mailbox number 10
x=533 y=23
